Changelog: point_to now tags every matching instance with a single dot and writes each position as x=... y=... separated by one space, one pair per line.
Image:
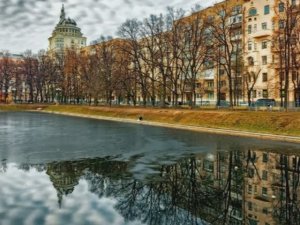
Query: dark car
x=265 y=102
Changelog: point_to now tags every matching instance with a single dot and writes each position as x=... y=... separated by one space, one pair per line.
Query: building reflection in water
x=252 y=187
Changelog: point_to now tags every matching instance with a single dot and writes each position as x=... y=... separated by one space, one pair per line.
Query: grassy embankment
x=284 y=123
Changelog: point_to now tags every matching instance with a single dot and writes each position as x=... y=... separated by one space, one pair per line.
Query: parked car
x=265 y=102
x=224 y=103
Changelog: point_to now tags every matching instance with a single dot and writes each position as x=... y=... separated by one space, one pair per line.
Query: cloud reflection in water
x=28 y=197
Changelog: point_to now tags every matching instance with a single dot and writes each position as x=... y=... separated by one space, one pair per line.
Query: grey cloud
x=112 y=13
x=31 y=22
x=128 y=2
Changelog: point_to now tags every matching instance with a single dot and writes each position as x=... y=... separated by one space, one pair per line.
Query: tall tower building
x=66 y=34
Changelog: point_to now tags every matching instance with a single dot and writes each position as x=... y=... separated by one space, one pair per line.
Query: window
x=255 y=28
x=265 y=211
x=250 y=207
x=249 y=46
x=249 y=188
x=264 y=191
x=294 y=39
x=264 y=26
x=265 y=93
x=264 y=45
x=264 y=175
x=254 y=94
x=237 y=9
x=266 y=9
x=210 y=84
x=264 y=60
x=249 y=29
x=293 y=2
x=210 y=95
x=251 y=172
x=221 y=72
x=239 y=19
x=252 y=12
x=265 y=157
x=250 y=61
x=264 y=77
x=294 y=75
x=281 y=24
x=281 y=7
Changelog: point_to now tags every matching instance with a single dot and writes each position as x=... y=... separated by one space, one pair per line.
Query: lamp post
x=57 y=95
x=13 y=91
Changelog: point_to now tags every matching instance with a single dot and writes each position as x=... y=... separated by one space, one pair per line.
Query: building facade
x=259 y=66
x=66 y=34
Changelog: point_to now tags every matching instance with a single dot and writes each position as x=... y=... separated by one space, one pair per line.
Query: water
x=65 y=170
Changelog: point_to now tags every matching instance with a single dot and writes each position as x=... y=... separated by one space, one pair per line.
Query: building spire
x=62 y=13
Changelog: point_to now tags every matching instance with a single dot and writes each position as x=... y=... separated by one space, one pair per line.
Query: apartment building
x=264 y=27
x=252 y=31
x=258 y=55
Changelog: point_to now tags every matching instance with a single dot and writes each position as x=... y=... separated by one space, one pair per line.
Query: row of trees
x=160 y=59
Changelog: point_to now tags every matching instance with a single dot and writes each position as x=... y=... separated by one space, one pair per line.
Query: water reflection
x=236 y=187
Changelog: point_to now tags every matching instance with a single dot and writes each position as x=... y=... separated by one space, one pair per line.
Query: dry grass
x=285 y=123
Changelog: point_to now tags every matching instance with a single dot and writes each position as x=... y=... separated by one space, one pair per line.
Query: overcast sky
x=27 y=24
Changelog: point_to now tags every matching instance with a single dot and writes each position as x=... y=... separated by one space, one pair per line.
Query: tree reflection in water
x=252 y=187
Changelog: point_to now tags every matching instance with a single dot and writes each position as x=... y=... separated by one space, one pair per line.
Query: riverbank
x=284 y=126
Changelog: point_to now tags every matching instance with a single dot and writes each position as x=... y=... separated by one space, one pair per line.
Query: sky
x=27 y=24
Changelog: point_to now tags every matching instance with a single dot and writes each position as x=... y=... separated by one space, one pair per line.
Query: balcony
x=209 y=74
x=236 y=37
x=236 y=25
x=262 y=197
x=262 y=33
x=209 y=89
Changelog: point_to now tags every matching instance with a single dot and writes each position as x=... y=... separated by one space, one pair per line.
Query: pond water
x=64 y=170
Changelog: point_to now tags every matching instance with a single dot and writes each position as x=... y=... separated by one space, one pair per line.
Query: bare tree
x=6 y=74
x=250 y=78
x=168 y=61
x=195 y=53
x=30 y=70
x=130 y=30
x=149 y=33
x=288 y=19
x=227 y=37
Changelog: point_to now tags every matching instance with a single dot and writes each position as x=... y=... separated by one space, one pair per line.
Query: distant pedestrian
x=270 y=107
